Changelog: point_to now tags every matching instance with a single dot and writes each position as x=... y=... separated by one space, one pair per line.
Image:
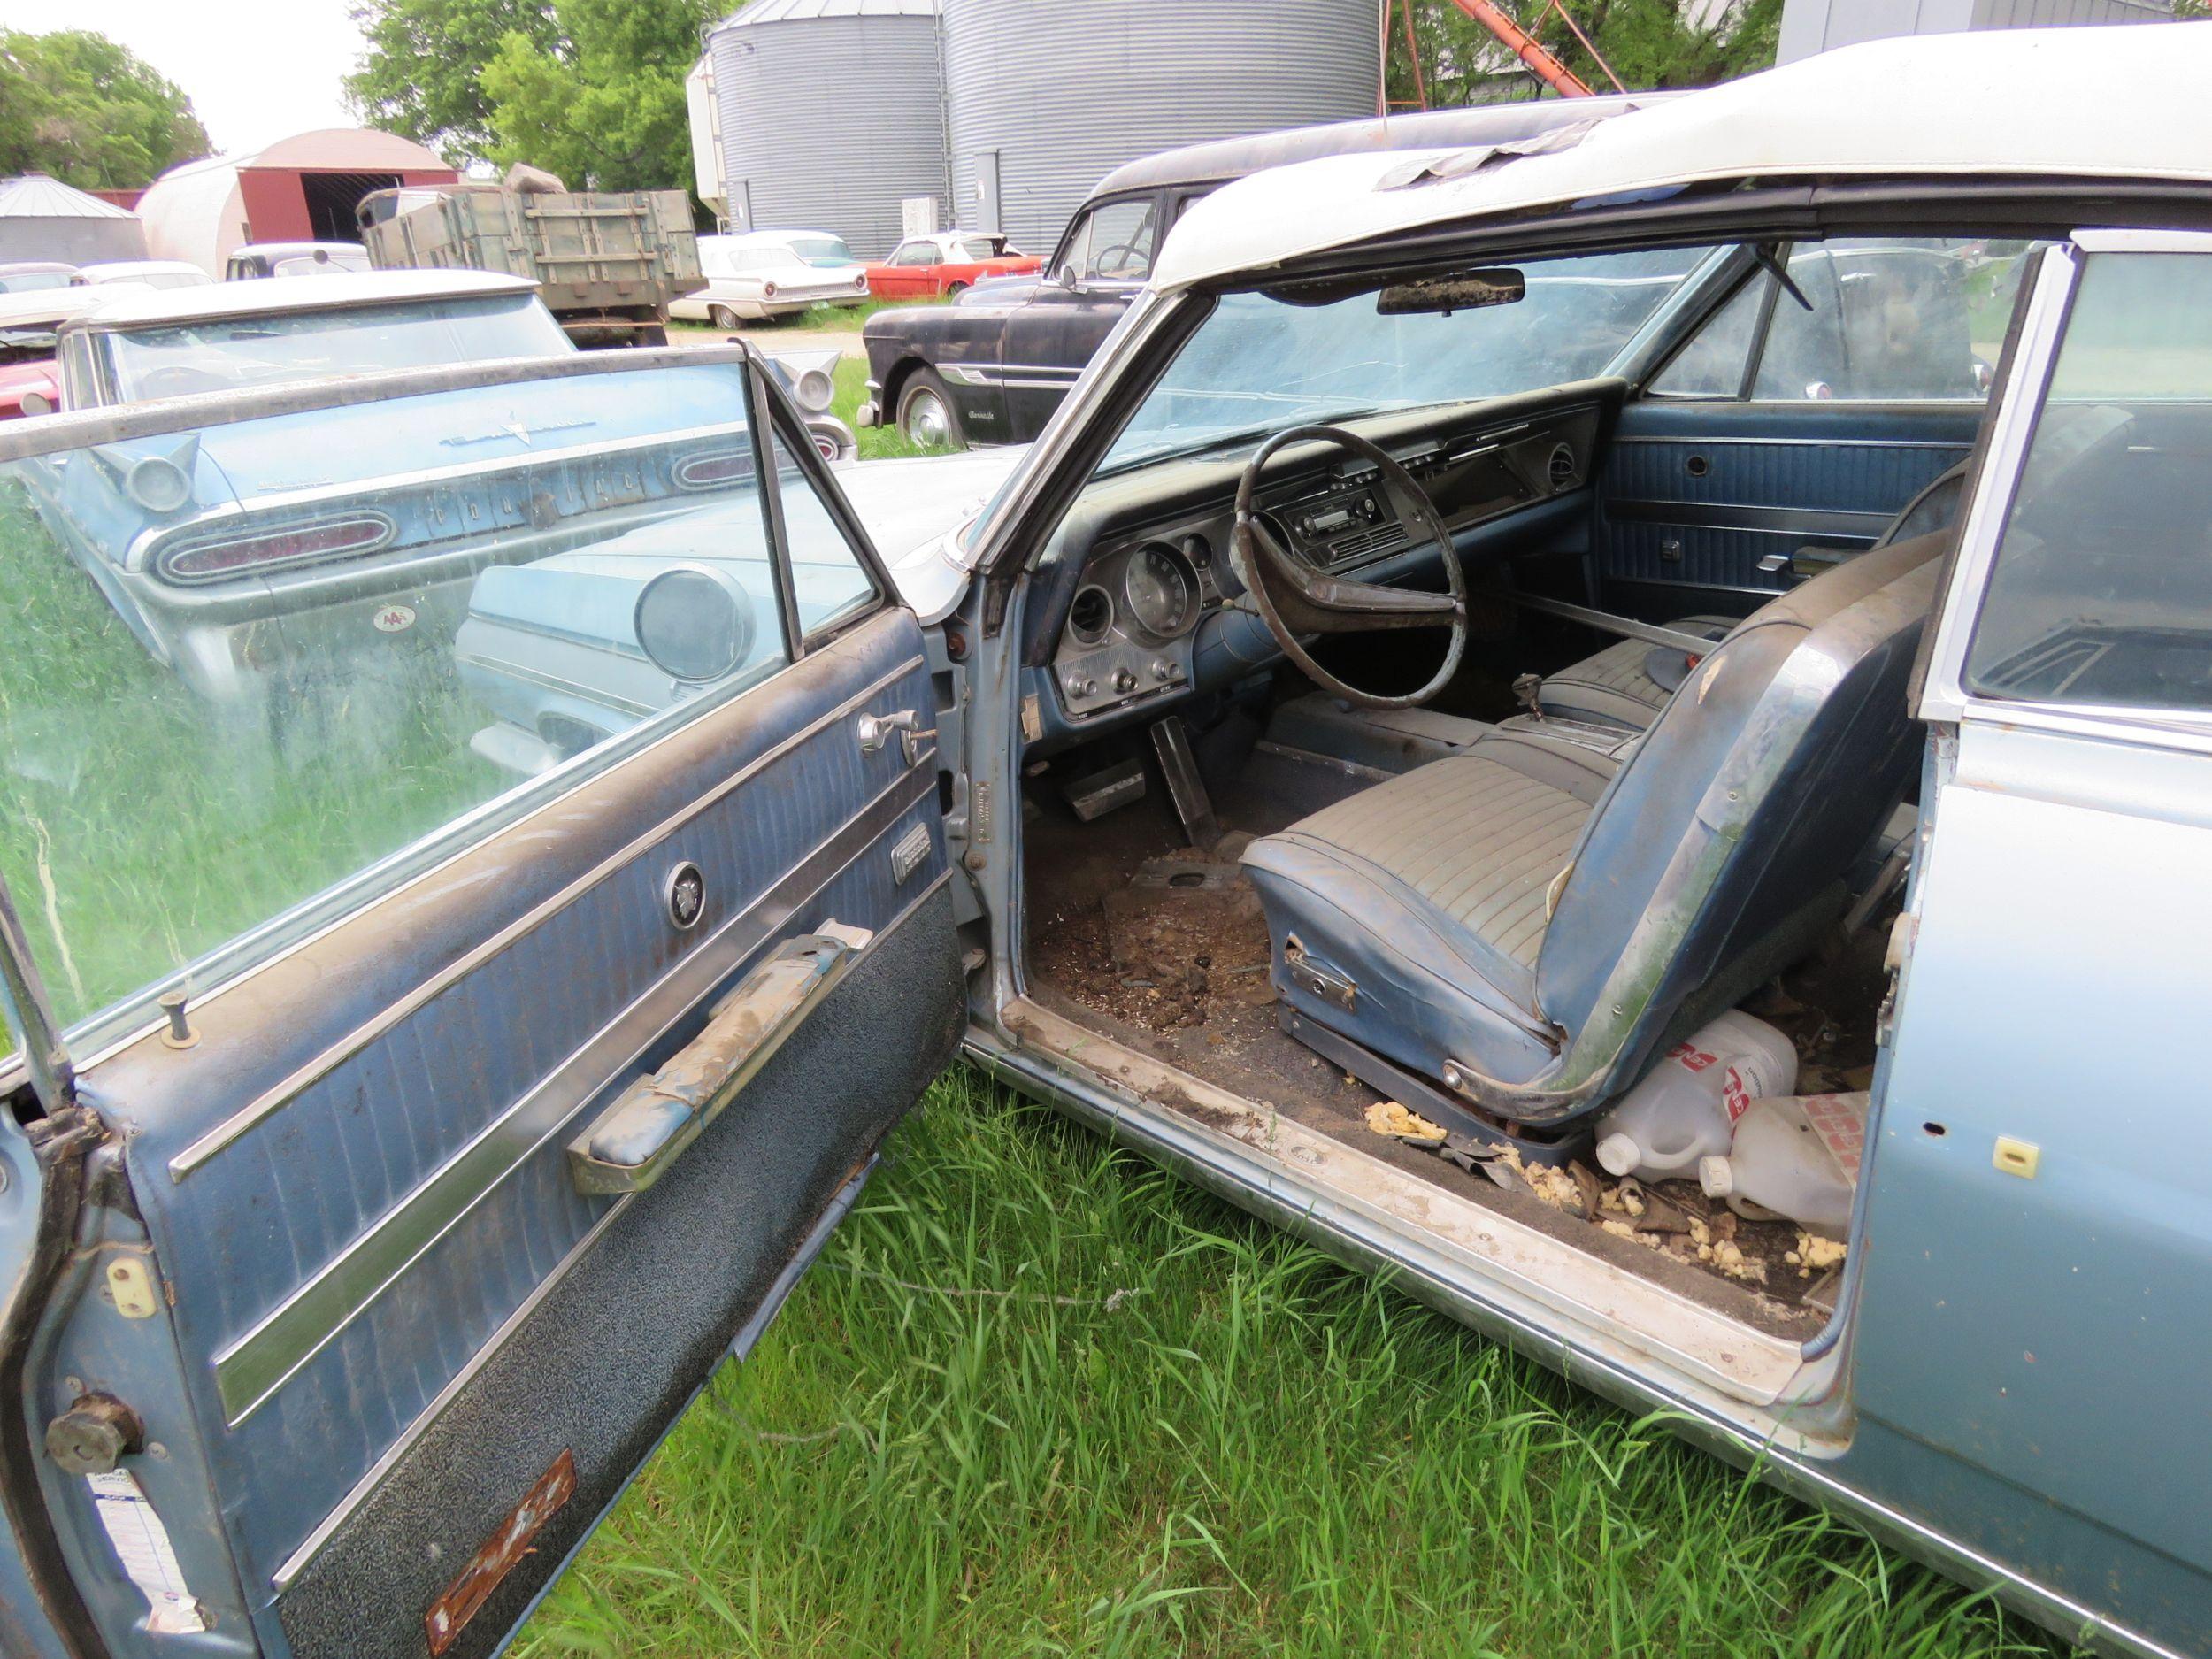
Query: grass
x=1040 y=1397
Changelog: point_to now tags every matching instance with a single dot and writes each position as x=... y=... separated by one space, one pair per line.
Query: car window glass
x=2101 y=591
x=827 y=578
x=1714 y=362
x=1892 y=320
x=1119 y=247
x=229 y=354
x=265 y=667
x=916 y=253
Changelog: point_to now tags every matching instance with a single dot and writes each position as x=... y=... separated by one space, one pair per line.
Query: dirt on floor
x=1164 y=946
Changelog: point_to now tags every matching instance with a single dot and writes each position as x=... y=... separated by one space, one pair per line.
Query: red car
x=929 y=267
x=36 y=374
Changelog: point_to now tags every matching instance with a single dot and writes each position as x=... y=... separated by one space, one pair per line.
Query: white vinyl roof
x=153 y=307
x=2114 y=102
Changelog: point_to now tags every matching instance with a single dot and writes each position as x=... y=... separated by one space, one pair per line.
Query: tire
x=953 y=290
x=927 y=419
x=722 y=315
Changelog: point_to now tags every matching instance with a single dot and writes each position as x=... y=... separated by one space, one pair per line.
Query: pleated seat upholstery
x=1616 y=685
x=1454 y=860
x=1531 y=920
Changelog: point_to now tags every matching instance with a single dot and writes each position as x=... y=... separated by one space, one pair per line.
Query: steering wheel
x=1295 y=599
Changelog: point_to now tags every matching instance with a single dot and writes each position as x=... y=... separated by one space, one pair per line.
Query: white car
x=771 y=273
x=153 y=274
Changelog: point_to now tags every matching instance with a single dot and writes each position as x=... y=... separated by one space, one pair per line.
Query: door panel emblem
x=687 y=894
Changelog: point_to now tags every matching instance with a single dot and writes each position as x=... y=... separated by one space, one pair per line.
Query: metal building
x=1044 y=99
x=1814 y=26
x=43 y=218
x=830 y=111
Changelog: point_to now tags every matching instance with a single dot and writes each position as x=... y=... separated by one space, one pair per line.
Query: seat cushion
x=1618 y=685
x=1426 y=896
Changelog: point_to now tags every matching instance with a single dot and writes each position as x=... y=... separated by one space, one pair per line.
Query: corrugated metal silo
x=1044 y=100
x=833 y=111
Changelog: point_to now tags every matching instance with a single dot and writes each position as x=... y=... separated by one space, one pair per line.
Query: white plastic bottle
x=1796 y=1157
x=1687 y=1107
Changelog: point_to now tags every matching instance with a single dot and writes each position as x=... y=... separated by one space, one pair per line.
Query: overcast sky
x=256 y=70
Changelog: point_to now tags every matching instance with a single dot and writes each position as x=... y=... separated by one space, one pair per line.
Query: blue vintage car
x=247 y=552
x=1720 y=795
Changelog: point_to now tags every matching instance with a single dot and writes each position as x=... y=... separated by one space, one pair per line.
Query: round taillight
x=157 y=484
x=768 y=290
x=860 y=283
x=694 y=625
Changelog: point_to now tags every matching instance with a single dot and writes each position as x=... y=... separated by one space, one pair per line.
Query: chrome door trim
x=1821 y=443
x=375 y=1475
x=252 y=1368
x=272 y=1099
x=2012 y=429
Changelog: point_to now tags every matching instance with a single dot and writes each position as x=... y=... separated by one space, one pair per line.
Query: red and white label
x=1734 y=1095
x=1840 y=1121
x=1692 y=1058
x=394 y=619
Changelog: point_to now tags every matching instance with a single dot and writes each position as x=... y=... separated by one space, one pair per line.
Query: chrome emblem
x=687 y=895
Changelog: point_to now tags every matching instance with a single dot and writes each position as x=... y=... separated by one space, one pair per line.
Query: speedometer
x=1162 y=590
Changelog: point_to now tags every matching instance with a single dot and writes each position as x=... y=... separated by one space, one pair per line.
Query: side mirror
x=1065 y=277
x=36 y=403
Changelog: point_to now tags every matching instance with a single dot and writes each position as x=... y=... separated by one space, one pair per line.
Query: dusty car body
x=400 y=1182
x=28 y=276
x=771 y=273
x=153 y=274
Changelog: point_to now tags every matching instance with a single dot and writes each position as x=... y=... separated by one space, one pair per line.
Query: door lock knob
x=94 y=1435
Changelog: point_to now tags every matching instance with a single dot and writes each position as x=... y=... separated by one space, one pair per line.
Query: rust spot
x=496 y=1556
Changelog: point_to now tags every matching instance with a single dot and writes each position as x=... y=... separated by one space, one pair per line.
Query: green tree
x=77 y=105
x=418 y=76
x=1648 y=44
x=602 y=103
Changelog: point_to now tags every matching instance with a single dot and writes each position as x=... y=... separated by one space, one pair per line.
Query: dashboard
x=1151 y=592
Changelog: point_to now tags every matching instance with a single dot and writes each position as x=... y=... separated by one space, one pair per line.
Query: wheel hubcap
x=928 y=420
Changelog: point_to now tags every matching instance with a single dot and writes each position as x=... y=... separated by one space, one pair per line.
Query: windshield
x=1258 y=363
x=32 y=281
x=225 y=353
x=826 y=250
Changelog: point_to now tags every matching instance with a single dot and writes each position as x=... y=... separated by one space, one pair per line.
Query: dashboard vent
x=1560 y=469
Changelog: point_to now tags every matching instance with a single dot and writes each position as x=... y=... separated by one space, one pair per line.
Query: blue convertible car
x=1684 y=841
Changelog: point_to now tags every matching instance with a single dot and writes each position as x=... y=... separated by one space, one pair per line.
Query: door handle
x=631 y=1145
x=875 y=731
x=1807 y=561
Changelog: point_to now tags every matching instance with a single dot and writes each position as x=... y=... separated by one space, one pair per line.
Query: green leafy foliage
x=418 y=76
x=77 y=105
x=590 y=89
x=1648 y=44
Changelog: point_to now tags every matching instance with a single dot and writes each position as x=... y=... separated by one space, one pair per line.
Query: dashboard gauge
x=1162 y=590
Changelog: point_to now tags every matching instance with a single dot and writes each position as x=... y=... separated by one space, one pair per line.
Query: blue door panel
x=366 y=1089
x=1694 y=494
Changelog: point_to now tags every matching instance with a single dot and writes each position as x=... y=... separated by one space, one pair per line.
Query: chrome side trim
x=261 y=1360
x=228 y=1131
x=374 y=1475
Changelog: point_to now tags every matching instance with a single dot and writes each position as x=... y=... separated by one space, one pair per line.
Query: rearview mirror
x=1065 y=277
x=1470 y=291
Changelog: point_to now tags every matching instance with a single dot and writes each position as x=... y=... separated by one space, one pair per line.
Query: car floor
x=1140 y=938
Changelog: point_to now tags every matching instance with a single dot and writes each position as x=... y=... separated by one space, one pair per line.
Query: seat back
x=1719 y=849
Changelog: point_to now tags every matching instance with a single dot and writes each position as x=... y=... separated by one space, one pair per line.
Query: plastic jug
x=1797 y=1156
x=1687 y=1109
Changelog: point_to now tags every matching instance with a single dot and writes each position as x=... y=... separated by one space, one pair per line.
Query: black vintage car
x=993 y=365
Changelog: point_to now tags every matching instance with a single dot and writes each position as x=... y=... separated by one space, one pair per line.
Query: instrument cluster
x=1129 y=628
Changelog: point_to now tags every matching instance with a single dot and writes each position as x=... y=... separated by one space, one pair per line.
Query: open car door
x=479 y=904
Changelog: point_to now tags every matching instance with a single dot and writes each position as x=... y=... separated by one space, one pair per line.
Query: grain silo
x=832 y=114
x=1043 y=99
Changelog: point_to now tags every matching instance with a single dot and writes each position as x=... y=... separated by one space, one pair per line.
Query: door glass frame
x=1944 y=699
x=137 y=1014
